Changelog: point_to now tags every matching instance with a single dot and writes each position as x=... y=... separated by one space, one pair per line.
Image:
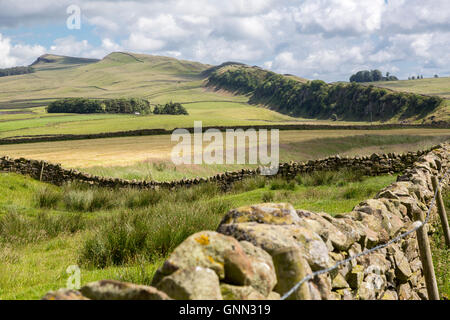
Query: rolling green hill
x=52 y=62
x=161 y=79
x=119 y=75
x=429 y=86
x=319 y=100
x=116 y=75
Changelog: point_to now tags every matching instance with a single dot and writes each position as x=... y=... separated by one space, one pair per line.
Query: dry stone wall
x=261 y=251
x=370 y=165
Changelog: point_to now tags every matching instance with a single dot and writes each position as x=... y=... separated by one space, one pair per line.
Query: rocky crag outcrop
x=261 y=251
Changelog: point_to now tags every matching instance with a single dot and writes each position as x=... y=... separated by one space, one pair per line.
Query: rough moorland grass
x=155 y=230
x=150 y=233
x=132 y=237
x=17 y=229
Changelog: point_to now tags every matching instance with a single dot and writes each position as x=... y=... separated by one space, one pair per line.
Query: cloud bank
x=320 y=39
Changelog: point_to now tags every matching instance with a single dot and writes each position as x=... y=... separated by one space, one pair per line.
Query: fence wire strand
x=417 y=224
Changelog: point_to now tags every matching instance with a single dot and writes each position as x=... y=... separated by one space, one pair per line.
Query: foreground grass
x=441 y=255
x=126 y=234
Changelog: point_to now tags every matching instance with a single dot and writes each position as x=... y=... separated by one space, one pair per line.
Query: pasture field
x=149 y=157
x=126 y=234
x=429 y=86
x=210 y=113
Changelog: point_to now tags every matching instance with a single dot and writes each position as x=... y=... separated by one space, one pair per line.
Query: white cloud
x=140 y=42
x=328 y=39
x=339 y=16
x=69 y=46
x=221 y=50
x=18 y=54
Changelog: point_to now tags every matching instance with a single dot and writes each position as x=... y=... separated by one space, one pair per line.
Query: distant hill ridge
x=124 y=74
x=51 y=61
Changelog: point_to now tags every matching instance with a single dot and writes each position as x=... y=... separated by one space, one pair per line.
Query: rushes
x=122 y=225
x=151 y=233
x=16 y=228
x=47 y=198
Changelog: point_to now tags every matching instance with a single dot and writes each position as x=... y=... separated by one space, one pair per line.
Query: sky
x=315 y=39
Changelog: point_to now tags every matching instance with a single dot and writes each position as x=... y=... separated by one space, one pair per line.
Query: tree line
x=372 y=75
x=124 y=106
x=15 y=71
x=317 y=99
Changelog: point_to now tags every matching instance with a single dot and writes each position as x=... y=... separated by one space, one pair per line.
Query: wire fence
x=416 y=225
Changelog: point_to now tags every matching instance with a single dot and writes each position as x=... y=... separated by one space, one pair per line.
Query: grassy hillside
x=52 y=62
x=429 y=86
x=319 y=100
x=119 y=75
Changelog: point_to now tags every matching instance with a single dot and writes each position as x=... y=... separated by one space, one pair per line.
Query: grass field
x=44 y=228
x=429 y=86
x=149 y=157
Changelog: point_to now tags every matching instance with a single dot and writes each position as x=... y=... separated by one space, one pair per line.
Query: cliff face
x=262 y=251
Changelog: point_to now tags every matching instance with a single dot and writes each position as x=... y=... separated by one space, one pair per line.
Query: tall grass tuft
x=47 y=198
x=249 y=184
x=78 y=200
x=282 y=184
x=102 y=199
x=150 y=233
x=141 y=198
x=321 y=178
x=16 y=228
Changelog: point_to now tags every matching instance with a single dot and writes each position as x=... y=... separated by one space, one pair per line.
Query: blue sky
x=320 y=39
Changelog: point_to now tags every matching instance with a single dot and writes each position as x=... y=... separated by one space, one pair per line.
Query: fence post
x=441 y=210
x=42 y=171
x=426 y=259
